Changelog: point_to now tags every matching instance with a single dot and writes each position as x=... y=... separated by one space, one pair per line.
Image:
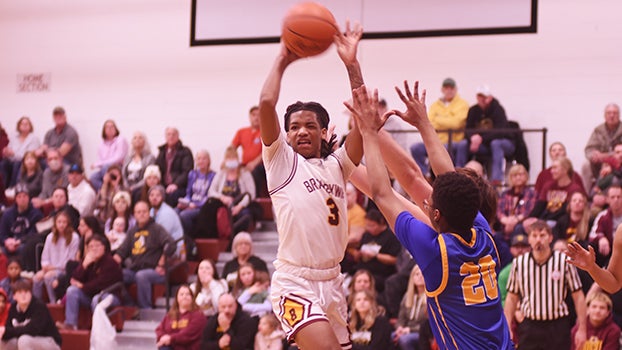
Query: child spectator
x=183 y=325
x=269 y=333
x=14 y=270
x=255 y=299
x=602 y=333
x=208 y=287
x=116 y=235
x=245 y=279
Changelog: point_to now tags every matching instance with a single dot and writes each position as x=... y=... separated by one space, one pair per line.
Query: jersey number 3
x=333 y=217
x=480 y=283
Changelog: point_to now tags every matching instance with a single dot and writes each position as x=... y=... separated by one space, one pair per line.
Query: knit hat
x=122 y=195
x=152 y=170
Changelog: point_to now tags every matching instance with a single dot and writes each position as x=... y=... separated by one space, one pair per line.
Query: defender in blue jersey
x=449 y=239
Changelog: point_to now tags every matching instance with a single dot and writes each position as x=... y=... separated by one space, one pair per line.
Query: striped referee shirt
x=542 y=289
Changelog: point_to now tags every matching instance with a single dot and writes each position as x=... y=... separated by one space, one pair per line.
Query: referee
x=538 y=285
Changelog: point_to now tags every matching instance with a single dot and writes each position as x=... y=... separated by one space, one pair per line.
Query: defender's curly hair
x=322 y=117
x=458 y=199
x=488 y=206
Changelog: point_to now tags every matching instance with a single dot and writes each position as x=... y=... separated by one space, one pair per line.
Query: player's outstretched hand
x=415 y=104
x=365 y=109
x=347 y=43
x=581 y=258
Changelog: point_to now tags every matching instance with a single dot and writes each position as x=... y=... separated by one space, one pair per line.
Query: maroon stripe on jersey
x=290 y=178
x=337 y=159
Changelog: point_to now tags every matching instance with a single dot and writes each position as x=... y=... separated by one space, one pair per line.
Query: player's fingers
x=401 y=95
x=416 y=90
x=407 y=89
x=423 y=93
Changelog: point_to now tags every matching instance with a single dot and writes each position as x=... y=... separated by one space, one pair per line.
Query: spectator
x=256 y=298
x=246 y=278
x=249 y=138
x=269 y=334
x=543 y=303
x=175 y=162
x=137 y=160
x=199 y=181
x=362 y=280
x=610 y=170
x=517 y=201
x=379 y=249
x=96 y=272
x=13 y=270
x=235 y=188
x=13 y=154
x=602 y=232
x=117 y=234
x=518 y=246
x=60 y=247
x=412 y=312
x=81 y=194
x=482 y=118
x=602 y=332
x=88 y=226
x=575 y=224
x=29 y=325
x=18 y=222
x=370 y=329
x=152 y=177
x=447 y=113
x=182 y=326
x=62 y=137
x=143 y=252
x=112 y=184
x=395 y=285
x=56 y=175
x=242 y=249
x=30 y=174
x=601 y=142
x=112 y=151
x=166 y=217
x=230 y=328
x=121 y=203
x=208 y=287
x=556 y=150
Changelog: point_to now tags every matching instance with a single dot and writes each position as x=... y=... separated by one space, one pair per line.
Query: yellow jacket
x=449 y=116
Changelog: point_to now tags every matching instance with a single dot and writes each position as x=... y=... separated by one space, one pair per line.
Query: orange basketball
x=308 y=29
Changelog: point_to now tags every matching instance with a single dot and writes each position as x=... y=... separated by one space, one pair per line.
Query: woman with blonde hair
x=136 y=162
x=517 y=201
x=361 y=280
x=412 y=313
x=370 y=329
x=574 y=225
x=242 y=249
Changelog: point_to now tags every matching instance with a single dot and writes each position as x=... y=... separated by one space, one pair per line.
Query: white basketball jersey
x=308 y=196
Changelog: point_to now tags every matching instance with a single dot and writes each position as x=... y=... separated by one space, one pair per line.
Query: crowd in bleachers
x=76 y=240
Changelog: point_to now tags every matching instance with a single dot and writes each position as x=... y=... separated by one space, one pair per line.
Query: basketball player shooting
x=306 y=181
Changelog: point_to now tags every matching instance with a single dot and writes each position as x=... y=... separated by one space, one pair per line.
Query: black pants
x=544 y=335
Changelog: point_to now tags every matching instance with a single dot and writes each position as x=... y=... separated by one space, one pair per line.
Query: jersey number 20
x=333 y=217
x=480 y=283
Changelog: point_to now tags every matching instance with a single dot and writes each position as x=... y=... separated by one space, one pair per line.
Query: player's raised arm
x=365 y=112
x=347 y=47
x=609 y=279
x=268 y=117
x=417 y=116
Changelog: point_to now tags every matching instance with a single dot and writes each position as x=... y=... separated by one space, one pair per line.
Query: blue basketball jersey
x=464 y=303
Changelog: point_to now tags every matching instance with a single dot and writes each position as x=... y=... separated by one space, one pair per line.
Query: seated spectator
x=29 y=324
x=553 y=199
x=256 y=298
x=208 y=287
x=13 y=274
x=18 y=222
x=242 y=249
x=230 y=328
x=575 y=224
x=175 y=162
x=517 y=201
x=269 y=335
x=412 y=313
x=152 y=177
x=395 y=285
x=112 y=151
x=60 y=247
x=610 y=170
x=370 y=329
x=199 y=181
x=602 y=332
x=121 y=203
x=62 y=137
x=56 y=175
x=235 y=188
x=88 y=226
x=556 y=150
x=143 y=253
x=117 y=234
x=137 y=160
x=182 y=326
x=379 y=249
x=166 y=217
x=249 y=138
x=96 y=272
x=13 y=154
x=246 y=278
x=362 y=280
x=30 y=174
x=112 y=184
x=81 y=194
x=605 y=223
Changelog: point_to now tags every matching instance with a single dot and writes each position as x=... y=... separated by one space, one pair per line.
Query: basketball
x=308 y=29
